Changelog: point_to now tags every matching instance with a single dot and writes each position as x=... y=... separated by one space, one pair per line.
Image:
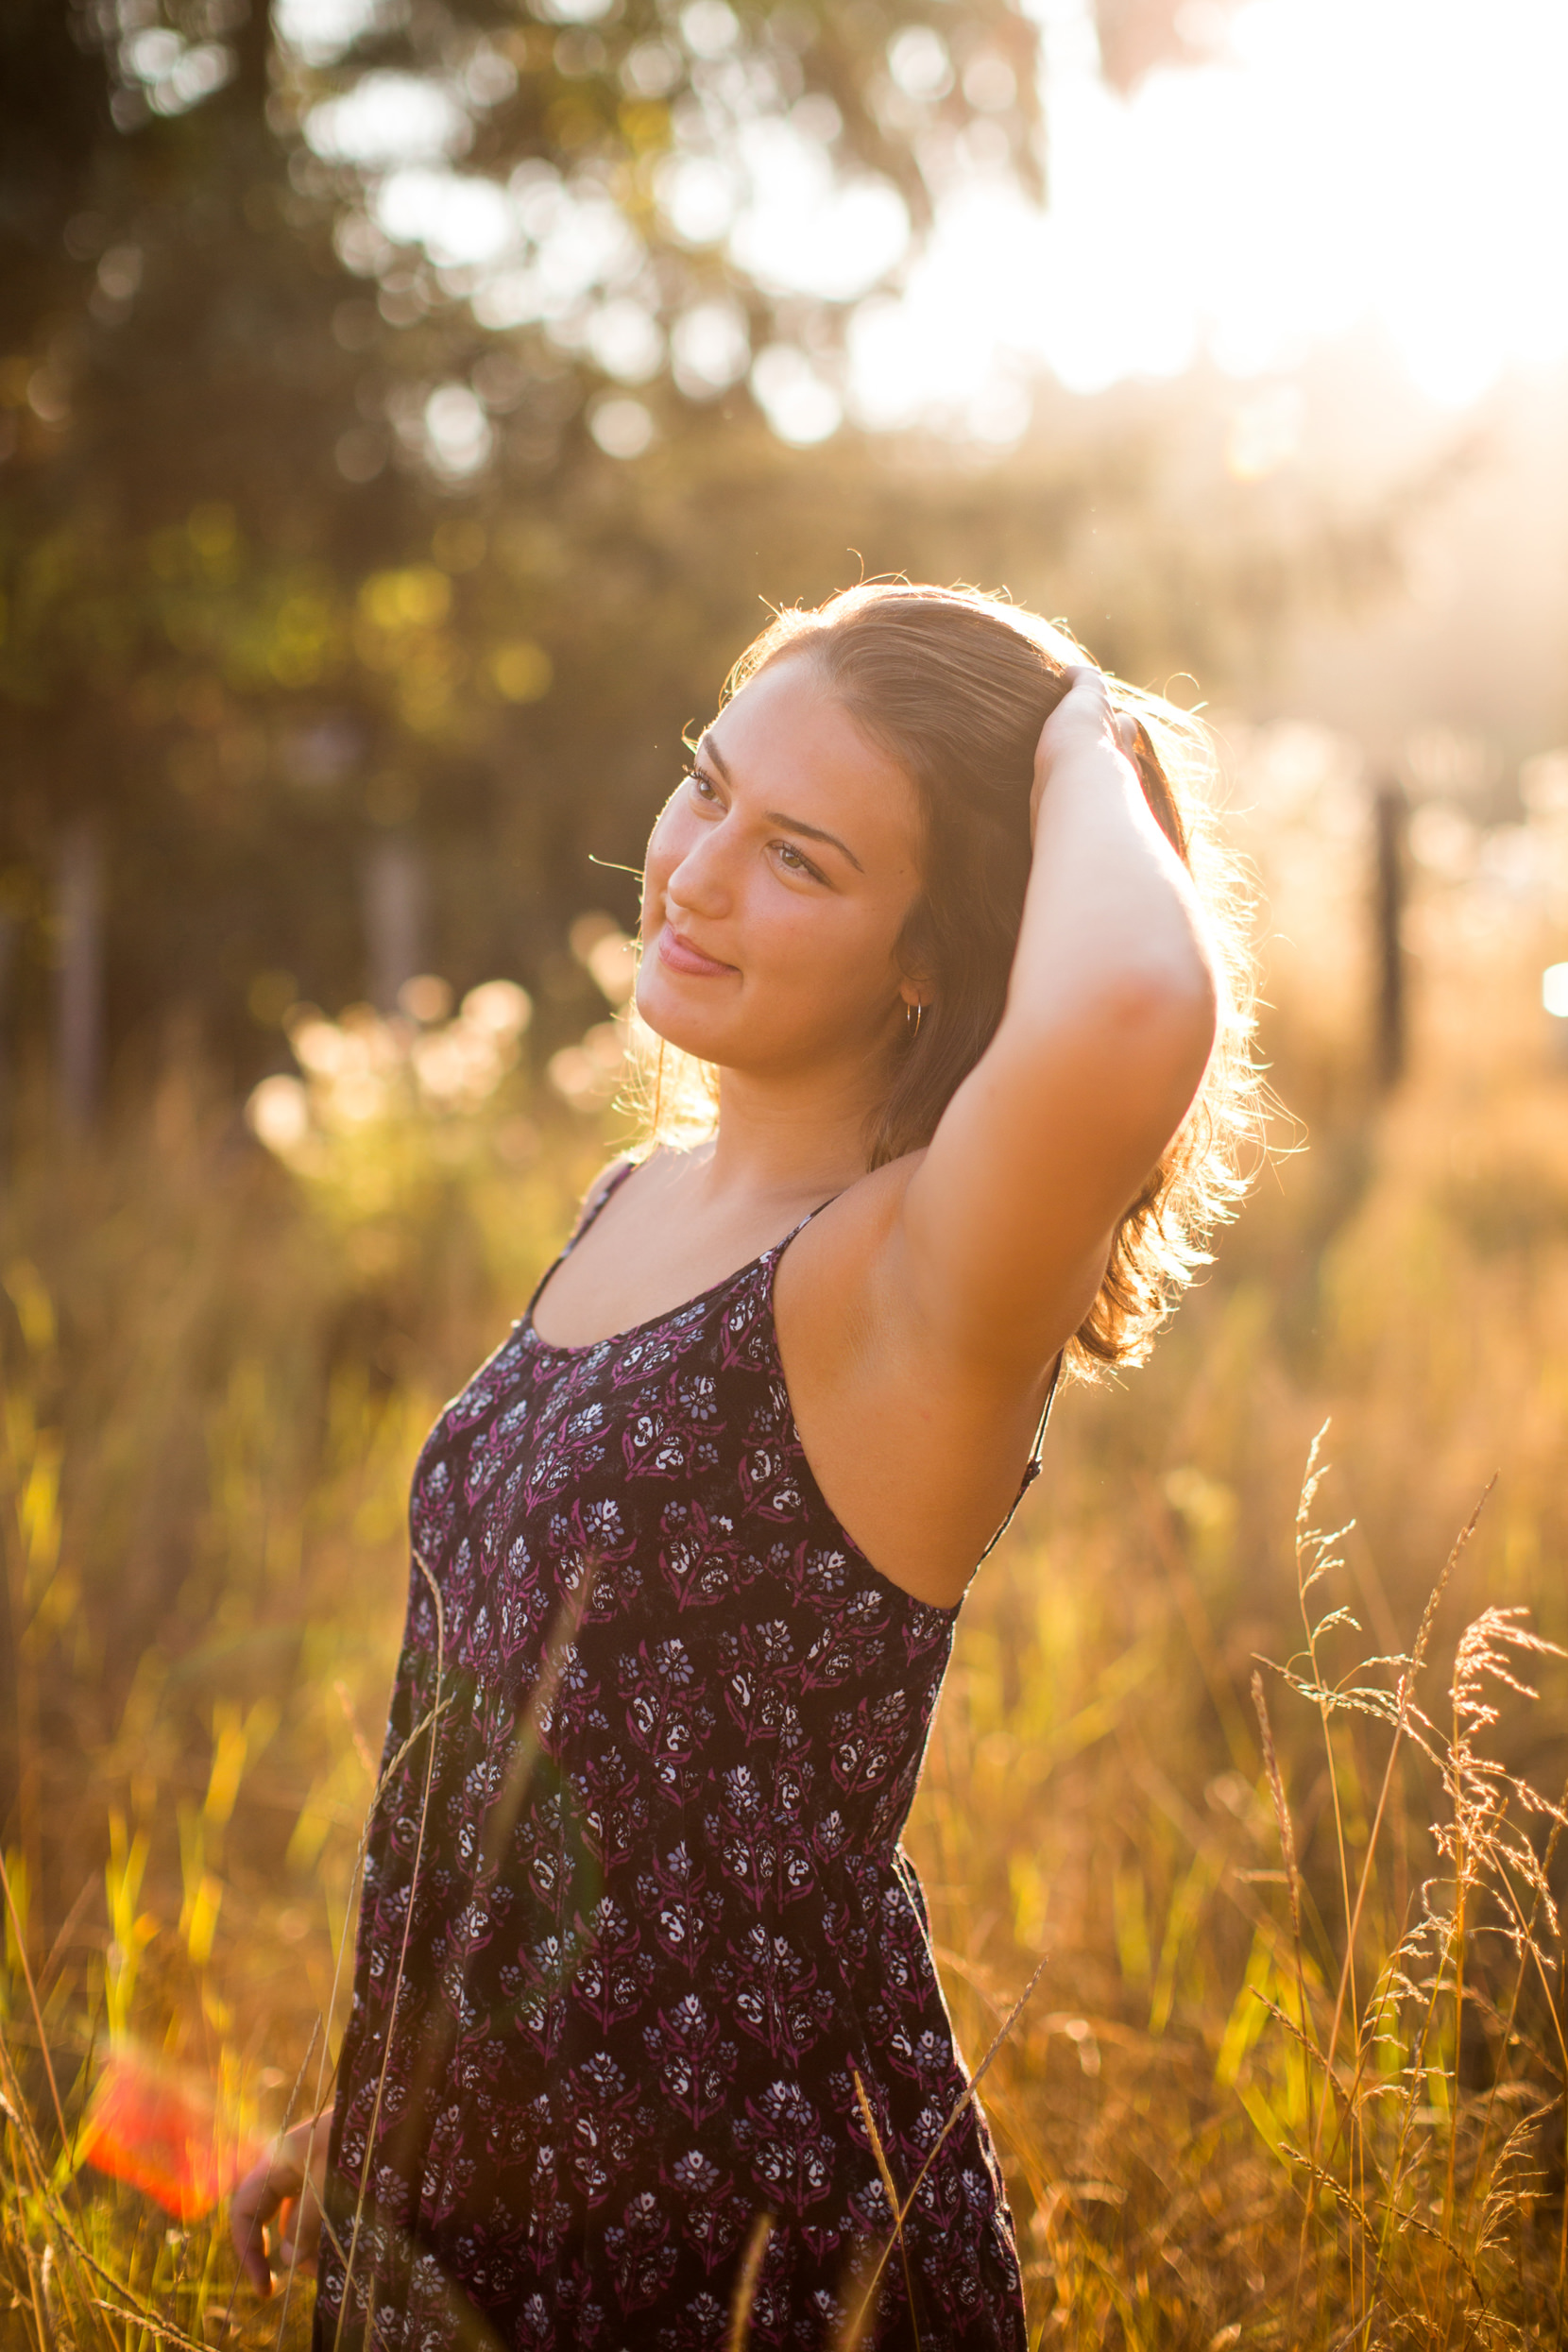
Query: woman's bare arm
x=1004 y=1228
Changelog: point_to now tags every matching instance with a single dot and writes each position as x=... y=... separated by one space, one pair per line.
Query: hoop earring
x=912 y=1028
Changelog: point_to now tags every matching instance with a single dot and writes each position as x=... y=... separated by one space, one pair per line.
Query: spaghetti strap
x=780 y=1247
x=590 y=1209
x=598 y=1200
x=771 y=1258
x=1031 y=1468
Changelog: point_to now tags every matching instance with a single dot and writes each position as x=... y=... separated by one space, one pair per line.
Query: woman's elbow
x=1166 y=1008
x=1149 y=1021
x=1196 y=1003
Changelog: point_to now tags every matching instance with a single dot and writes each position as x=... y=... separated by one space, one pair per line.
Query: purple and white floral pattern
x=632 y=1920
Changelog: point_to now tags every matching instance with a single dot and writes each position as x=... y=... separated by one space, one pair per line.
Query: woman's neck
x=788 y=1139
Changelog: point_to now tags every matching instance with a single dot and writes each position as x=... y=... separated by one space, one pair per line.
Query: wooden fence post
x=1389 y=815
x=396 y=899
x=78 y=978
x=10 y=938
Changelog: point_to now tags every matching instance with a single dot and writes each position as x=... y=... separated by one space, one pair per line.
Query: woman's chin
x=674 y=1026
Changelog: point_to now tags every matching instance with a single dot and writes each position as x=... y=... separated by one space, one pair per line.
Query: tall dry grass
x=1270 y=1811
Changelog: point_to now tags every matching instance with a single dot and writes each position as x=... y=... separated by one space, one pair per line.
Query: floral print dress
x=634 y=1915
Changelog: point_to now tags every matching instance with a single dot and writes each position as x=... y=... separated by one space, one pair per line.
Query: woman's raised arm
x=1006 y=1225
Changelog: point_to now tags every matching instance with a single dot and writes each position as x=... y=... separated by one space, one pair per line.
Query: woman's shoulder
x=608 y=1180
x=846 y=1244
x=877 y=1196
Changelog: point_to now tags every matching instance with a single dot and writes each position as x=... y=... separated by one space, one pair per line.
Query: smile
x=679 y=955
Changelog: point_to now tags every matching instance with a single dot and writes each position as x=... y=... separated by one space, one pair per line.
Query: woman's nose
x=700 y=880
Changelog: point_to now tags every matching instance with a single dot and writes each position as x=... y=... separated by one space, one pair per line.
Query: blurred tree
x=391 y=395
x=293 y=406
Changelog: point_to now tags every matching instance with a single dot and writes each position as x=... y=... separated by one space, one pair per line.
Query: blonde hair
x=956 y=686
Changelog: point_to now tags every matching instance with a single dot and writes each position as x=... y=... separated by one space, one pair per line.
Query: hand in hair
x=1110 y=1018
x=1084 y=718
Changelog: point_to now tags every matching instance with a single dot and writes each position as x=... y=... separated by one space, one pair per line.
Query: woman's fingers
x=284 y=2188
x=1084 y=715
x=298 y=2233
x=1088 y=685
x=300 y=2228
x=251 y=2206
x=279 y=2191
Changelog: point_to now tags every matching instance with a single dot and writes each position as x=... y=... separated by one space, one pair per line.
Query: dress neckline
x=775 y=1250
x=635 y=1330
x=670 y=1314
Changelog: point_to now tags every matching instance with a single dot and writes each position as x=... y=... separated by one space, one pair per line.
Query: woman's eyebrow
x=710 y=749
x=813 y=832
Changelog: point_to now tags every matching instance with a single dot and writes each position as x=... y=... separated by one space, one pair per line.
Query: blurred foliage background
x=400 y=432
x=399 y=447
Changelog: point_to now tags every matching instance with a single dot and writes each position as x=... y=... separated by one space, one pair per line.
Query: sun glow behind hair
x=1333 y=163
x=1315 y=167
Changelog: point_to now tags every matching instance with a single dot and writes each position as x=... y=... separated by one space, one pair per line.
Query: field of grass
x=1293 y=2069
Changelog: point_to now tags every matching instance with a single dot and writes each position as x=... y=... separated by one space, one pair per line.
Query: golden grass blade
x=1404 y=1700
x=162 y=2330
x=528 y=1744
x=856 y=2315
x=965 y=2100
x=1282 y=1811
x=32 y=1998
x=747 y=2282
x=426 y=1723
x=402 y=1949
x=33 y=2159
x=891 y=2193
x=138 y=2313
x=288 y=2119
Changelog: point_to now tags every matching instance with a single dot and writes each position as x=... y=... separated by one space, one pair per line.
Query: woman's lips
x=680 y=955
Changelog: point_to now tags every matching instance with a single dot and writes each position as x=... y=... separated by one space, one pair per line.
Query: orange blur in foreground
x=160 y=2132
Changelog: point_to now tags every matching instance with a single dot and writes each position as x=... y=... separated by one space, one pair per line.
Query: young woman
x=645 y=2001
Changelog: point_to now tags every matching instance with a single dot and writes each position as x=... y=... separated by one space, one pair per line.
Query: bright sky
x=1402 y=160
x=1334 y=163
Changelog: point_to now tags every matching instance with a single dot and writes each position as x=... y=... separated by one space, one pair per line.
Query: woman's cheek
x=656 y=852
x=663 y=854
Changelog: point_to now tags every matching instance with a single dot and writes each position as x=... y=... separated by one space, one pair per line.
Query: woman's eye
x=703 y=786
x=793 y=862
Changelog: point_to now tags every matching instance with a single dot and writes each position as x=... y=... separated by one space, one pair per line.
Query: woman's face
x=778 y=880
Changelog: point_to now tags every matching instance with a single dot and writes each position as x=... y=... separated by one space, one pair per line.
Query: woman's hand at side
x=275 y=2212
